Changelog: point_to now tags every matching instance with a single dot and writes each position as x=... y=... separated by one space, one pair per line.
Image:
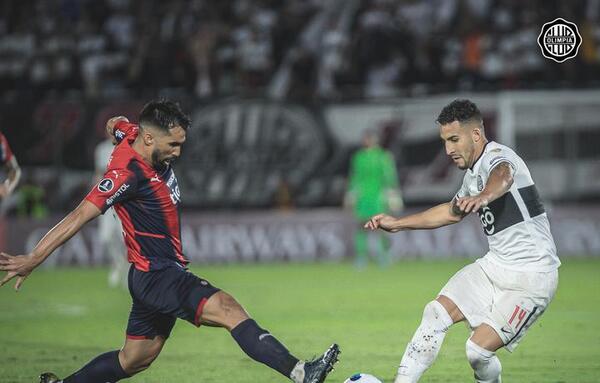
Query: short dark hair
x=461 y=111
x=164 y=114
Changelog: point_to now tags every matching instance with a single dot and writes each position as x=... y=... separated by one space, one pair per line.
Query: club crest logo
x=479 y=183
x=559 y=40
x=106 y=185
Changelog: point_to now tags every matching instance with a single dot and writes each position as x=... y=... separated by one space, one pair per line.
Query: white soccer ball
x=362 y=378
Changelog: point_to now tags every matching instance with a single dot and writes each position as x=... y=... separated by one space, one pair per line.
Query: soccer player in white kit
x=503 y=293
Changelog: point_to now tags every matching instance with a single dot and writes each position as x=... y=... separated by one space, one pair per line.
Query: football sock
x=485 y=363
x=425 y=343
x=261 y=346
x=104 y=368
x=298 y=373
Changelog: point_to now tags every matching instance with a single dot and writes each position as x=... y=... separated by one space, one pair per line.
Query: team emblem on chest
x=479 y=183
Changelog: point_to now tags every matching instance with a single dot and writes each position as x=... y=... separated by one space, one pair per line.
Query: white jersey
x=102 y=154
x=516 y=224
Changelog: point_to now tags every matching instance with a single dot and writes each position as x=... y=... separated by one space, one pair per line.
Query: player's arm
x=438 y=216
x=119 y=128
x=21 y=266
x=13 y=177
x=498 y=183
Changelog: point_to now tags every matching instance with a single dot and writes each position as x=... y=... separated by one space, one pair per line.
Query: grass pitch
x=62 y=318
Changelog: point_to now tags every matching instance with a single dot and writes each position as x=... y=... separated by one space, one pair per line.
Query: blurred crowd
x=289 y=49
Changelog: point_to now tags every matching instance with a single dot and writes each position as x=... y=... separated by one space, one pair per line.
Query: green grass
x=63 y=318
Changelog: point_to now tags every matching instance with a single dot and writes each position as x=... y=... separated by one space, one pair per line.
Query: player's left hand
x=16 y=266
x=110 y=127
x=471 y=204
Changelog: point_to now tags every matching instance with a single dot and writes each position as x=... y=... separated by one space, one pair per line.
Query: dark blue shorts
x=160 y=297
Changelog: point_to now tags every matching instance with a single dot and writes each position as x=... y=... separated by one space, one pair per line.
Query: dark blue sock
x=261 y=346
x=102 y=369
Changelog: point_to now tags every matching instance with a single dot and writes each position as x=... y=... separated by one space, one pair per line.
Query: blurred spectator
x=354 y=48
x=9 y=163
x=31 y=200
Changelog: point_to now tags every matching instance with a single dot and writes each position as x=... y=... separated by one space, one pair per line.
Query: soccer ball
x=362 y=378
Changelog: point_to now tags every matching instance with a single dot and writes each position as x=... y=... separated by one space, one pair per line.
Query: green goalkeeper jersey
x=372 y=174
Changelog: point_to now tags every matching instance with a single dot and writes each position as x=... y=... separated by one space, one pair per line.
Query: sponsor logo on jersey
x=559 y=40
x=106 y=185
x=174 y=188
x=487 y=220
x=479 y=182
x=119 y=192
x=171 y=179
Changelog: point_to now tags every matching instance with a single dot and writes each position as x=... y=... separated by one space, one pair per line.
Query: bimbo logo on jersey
x=559 y=40
x=106 y=185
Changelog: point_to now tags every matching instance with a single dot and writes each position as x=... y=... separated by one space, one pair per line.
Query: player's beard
x=158 y=162
x=461 y=163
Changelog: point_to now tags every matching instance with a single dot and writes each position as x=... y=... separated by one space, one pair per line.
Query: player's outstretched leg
x=425 y=343
x=222 y=309
x=136 y=356
x=103 y=368
x=316 y=370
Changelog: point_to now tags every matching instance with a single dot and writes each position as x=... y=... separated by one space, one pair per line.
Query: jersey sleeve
x=5 y=153
x=497 y=156
x=125 y=131
x=463 y=191
x=116 y=186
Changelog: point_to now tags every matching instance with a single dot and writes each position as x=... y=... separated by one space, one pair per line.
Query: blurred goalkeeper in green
x=373 y=188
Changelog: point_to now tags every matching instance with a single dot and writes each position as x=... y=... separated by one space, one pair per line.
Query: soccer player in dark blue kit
x=142 y=187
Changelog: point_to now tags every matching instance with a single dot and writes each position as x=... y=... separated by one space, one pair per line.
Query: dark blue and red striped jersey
x=146 y=202
x=5 y=152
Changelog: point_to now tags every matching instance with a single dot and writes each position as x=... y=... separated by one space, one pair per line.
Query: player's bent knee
x=451 y=308
x=136 y=360
x=224 y=310
x=485 y=363
x=434 y=313
x=136 y=364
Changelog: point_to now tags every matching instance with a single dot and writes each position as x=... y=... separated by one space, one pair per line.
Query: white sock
x=485 y=363
x=425 y=344
x=297 y=374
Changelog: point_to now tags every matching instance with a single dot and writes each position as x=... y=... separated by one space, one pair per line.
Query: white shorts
x=507 y=300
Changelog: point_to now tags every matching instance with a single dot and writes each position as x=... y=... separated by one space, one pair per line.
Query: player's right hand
x=382 y=221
